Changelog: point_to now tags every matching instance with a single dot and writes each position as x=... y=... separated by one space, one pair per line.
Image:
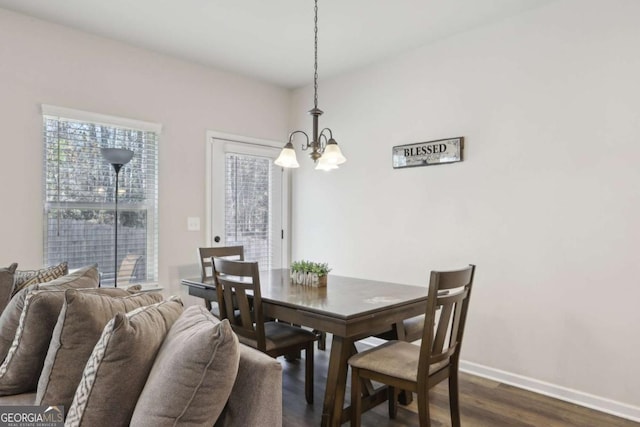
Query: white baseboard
x=587 y=400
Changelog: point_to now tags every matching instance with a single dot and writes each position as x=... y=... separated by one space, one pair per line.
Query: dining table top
x=343 y=297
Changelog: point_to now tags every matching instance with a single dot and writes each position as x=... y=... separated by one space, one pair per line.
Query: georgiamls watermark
x=32 y=416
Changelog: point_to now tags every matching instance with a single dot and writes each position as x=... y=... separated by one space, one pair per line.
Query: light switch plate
x=193 y=223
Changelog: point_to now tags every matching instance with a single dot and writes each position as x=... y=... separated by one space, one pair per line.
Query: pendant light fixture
x=324 y=149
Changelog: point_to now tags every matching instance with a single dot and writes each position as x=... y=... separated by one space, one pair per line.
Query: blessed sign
x=428 y=153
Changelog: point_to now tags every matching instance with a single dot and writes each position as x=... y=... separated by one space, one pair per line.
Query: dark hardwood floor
x=484 y=403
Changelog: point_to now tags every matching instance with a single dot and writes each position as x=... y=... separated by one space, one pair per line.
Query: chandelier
x=324 y=149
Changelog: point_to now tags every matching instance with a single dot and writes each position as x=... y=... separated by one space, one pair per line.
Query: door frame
x=210 y=188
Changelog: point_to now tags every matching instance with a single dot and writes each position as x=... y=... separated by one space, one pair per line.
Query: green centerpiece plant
x=310 y=273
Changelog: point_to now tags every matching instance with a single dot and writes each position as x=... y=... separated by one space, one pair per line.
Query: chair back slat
x=441 y=328
x=448 y=325
x=447 y=304
x=238 y=288
x=226 y=304
x=245 y=308
x=206 y=253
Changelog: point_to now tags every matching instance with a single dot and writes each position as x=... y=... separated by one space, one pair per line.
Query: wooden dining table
x=349 y=308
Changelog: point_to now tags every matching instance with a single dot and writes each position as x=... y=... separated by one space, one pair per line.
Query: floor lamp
x=117 y=157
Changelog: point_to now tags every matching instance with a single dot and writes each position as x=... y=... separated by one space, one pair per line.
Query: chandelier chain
x=315 y=64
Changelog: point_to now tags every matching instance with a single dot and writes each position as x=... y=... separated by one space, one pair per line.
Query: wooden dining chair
x=238 y=288
x=206 y=266
x=126 y=275
x=127 y=270
x=405 y=366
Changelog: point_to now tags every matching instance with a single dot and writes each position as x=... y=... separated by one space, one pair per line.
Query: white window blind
x=247 y=206
x=79 y=192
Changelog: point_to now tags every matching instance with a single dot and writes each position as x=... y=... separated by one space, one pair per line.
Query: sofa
x=110 y=357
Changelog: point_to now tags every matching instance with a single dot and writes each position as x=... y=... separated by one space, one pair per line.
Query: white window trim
x=103 y=119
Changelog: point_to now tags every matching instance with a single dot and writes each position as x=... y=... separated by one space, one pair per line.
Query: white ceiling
x=272 y=40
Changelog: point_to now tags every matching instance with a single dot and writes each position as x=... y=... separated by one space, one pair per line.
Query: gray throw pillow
x=86 y=277
x=193 y=374
x=6 y=284
x=9 y=320
x=22 y=366
x=80 y=324
x=119 y=365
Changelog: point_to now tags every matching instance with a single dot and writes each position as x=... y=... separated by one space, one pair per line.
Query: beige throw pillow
x=119 y=365
x=82 y=278
x=32 y=277
x=80 y=324
x=193 y=374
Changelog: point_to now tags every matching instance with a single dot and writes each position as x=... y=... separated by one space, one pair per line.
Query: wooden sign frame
x=429 y=153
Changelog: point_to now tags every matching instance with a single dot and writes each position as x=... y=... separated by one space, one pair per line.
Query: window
x=79 y=192
x=248 y=206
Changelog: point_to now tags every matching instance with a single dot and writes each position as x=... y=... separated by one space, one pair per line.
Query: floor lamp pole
x=117 y=157
x=117 y=168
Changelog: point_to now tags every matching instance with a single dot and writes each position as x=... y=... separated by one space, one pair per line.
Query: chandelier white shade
x=324 y=165
x=287 y=157
x=332 y=153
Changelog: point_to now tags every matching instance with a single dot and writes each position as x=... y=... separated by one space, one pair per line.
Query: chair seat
x=279 y=335
x=398 y=359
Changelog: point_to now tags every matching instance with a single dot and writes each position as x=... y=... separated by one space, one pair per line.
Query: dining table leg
x=341 y=349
